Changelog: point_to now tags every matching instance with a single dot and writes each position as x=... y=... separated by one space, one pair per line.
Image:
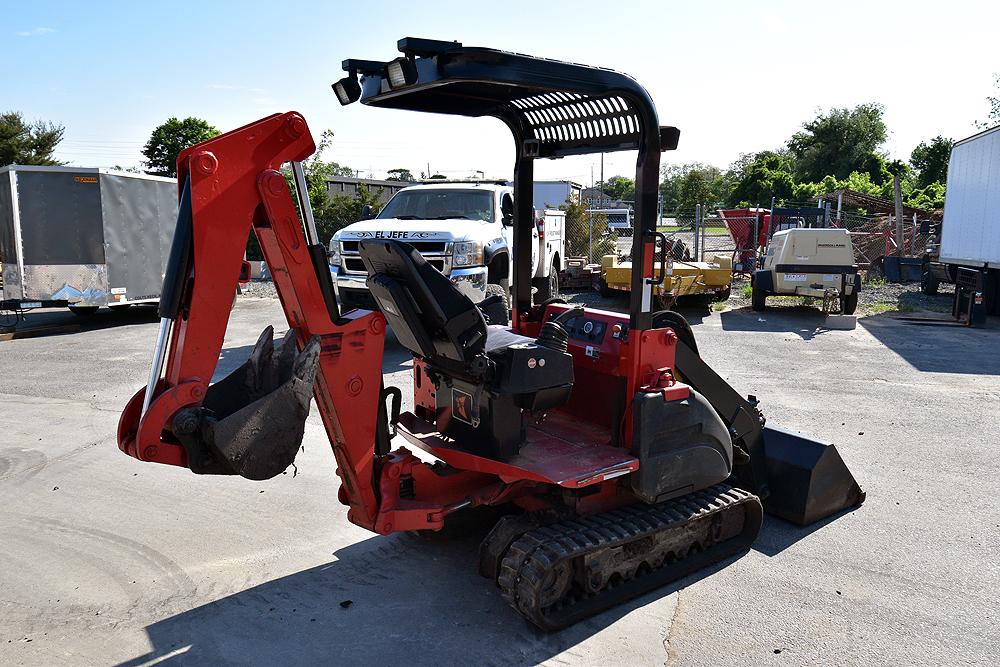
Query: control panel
x=585 y=329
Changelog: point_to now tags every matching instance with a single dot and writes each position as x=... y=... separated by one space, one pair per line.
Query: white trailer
x=970 y=232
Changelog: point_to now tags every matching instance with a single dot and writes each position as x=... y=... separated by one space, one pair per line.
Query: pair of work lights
x=399 y=72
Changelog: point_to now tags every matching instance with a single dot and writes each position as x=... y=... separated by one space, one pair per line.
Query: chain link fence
x=740 y=234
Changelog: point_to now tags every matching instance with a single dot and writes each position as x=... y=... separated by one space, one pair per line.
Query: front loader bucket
x=807 y=479
x=252 y=421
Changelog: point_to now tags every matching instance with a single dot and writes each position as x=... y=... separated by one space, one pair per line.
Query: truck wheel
x=929 y=283
x=849 y=304
x=676 y=321
x=83 y=311
x=498 y=290
x=757 y=299
x=546 y=287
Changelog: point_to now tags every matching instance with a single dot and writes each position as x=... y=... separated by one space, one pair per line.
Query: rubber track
x=529 y=560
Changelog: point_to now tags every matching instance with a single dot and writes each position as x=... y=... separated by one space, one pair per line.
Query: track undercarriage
x=558 y=573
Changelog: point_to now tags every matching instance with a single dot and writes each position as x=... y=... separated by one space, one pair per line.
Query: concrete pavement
x=106 y=560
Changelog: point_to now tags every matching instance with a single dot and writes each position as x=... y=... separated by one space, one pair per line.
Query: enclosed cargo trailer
x=83 y=237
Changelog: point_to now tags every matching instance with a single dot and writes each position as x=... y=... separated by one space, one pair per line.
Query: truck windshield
x=440 y=205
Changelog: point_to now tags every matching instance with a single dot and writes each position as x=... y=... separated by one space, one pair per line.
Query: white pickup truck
x=463 y=229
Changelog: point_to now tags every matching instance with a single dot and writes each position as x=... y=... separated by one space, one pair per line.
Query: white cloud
x=35 y=32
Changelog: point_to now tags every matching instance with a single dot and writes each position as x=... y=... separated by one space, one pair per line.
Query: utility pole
x=602 y=177
x=899 y=212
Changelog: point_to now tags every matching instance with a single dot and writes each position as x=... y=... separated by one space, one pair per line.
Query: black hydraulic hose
x=179 y=259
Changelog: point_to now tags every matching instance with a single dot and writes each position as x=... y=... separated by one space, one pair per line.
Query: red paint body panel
x=545 y=457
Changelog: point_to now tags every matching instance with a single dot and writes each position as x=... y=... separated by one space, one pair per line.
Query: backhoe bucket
x=252 y=421
x=807 y=479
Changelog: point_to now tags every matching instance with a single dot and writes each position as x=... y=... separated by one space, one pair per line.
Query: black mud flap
x=252 y=421
x=807 y=479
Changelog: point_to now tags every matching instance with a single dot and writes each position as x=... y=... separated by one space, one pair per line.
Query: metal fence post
x=590 y=243
x=697 y=232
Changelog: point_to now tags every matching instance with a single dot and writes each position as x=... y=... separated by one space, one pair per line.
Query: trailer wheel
x=758 y=299
x=849 y=303
x=603 y=289
x=676 y=321
x=929 y=283
x=83 y=311
x=547 y=287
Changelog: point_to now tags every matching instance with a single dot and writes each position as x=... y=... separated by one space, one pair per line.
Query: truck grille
x=420 y=246
x=355 y=265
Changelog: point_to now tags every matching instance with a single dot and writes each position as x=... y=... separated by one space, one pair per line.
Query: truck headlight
x=334 y=253
x=468 y=253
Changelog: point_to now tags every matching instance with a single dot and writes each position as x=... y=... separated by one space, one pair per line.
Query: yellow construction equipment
x=711 y=280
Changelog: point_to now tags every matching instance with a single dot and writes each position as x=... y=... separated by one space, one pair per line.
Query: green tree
x=993 y=115
x=169 y=139
x=401 y=175
x=683 y=186
x=22 y=142
x=840 y=142
x=618 y=187
x=579 y=235
x=930 y=160
x=767 y=175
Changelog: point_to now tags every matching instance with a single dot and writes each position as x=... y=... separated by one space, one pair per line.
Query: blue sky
x=734 y=76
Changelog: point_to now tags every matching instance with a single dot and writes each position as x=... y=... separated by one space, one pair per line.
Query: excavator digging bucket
x=254 y=418
x=806 y=478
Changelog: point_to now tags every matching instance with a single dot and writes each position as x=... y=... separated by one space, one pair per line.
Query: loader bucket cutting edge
x=253 y=420
x=807 y=479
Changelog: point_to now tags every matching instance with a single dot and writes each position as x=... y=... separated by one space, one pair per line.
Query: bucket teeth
x=253 y=420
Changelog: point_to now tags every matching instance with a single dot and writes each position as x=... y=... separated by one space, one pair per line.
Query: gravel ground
x=876 y=298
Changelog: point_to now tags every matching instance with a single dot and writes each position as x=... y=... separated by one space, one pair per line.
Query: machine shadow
x=58 y=322
x=939 y=349
x=803 y=321
x=776 y=534
x=401 y=599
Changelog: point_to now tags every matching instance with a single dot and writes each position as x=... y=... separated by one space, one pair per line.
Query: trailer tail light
x=541 y=228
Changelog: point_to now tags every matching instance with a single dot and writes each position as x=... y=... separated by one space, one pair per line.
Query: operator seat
x=488 y=380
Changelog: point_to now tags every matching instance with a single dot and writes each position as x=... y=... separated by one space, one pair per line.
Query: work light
x=348 y=89
x=401 y=72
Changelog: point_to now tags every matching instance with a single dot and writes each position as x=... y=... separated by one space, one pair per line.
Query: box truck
x=969 y=249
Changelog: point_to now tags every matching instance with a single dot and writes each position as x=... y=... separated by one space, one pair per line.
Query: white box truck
x=970 y=232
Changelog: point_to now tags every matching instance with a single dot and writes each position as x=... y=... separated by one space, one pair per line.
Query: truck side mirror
x=366 y=212
x=507 y=211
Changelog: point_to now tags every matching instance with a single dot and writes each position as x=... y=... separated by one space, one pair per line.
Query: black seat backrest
x=429 y=315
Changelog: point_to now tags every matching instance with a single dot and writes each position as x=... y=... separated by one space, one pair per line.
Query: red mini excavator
x=622 y=460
